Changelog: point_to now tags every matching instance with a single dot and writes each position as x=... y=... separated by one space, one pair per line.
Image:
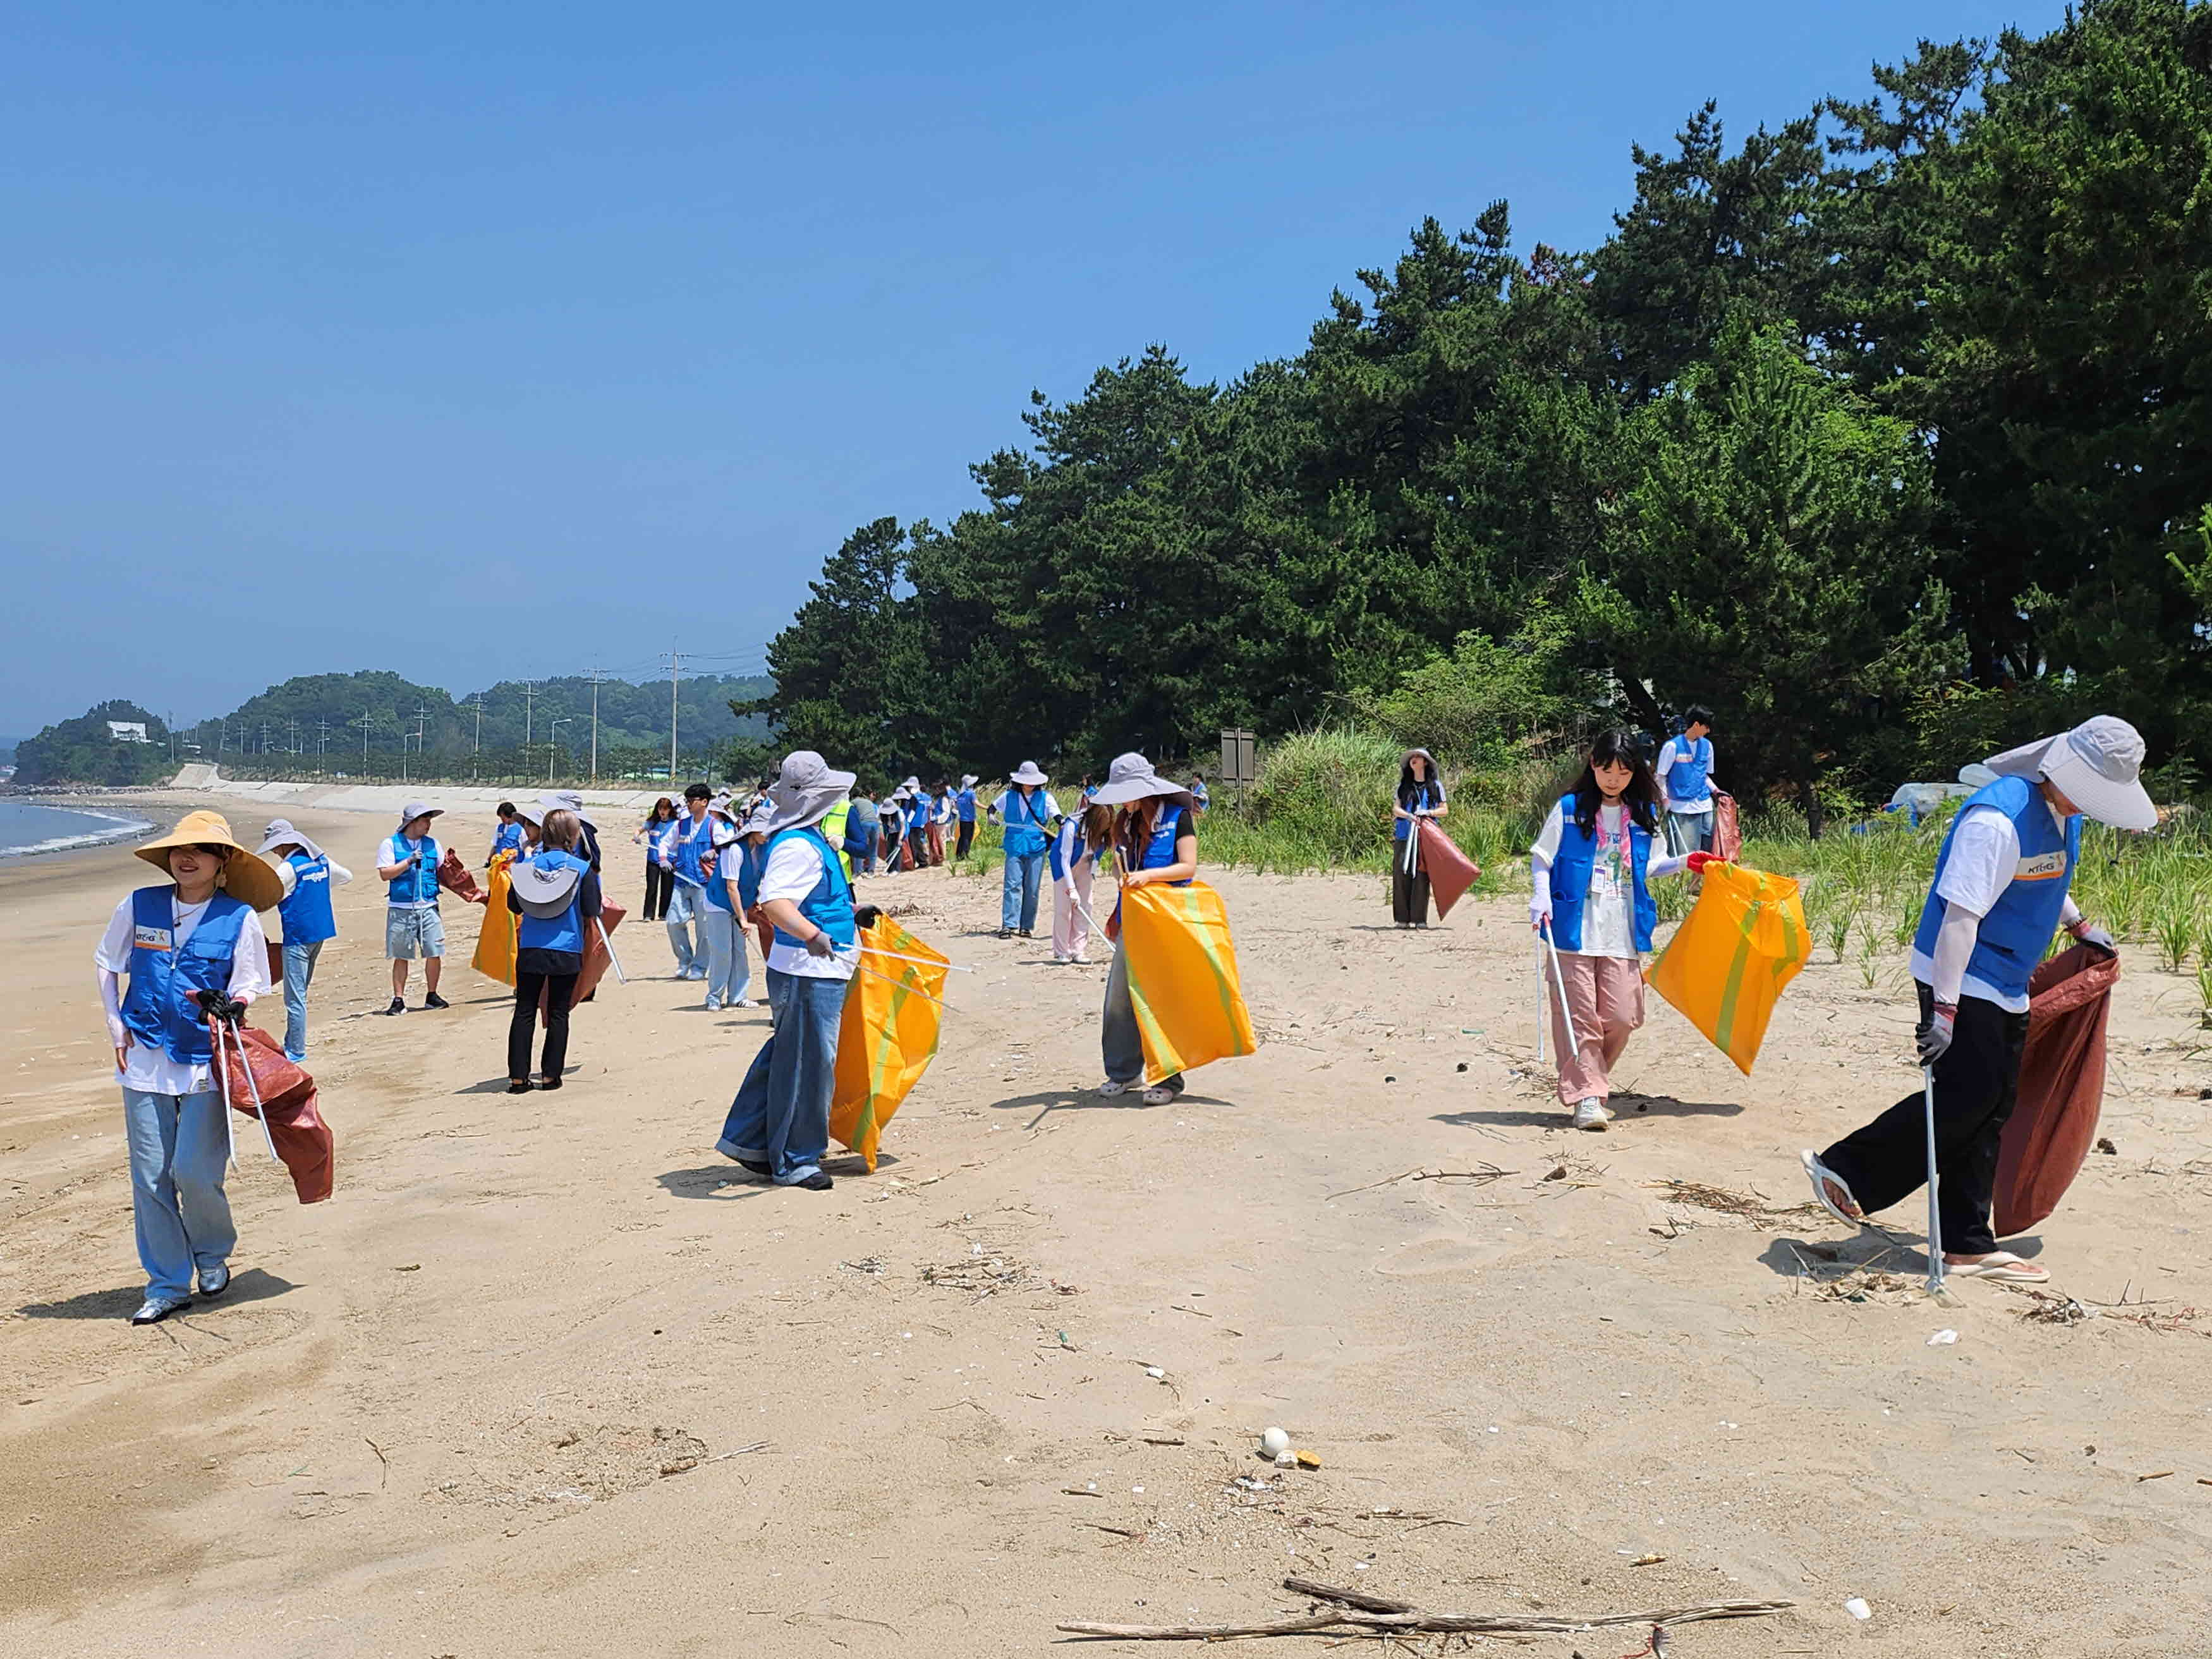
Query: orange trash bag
x=1182 y=978
x=496 y=945
x=886 y=1036
x=1726 y=964
x=2062 y=1086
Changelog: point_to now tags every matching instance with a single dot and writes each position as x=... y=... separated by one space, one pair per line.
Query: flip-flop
x=1820 y=1175
x=2001 y=1267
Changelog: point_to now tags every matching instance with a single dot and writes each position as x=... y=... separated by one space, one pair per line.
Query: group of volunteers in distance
x=180 y=957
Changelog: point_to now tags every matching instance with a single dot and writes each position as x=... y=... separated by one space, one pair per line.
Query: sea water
x=26 y=828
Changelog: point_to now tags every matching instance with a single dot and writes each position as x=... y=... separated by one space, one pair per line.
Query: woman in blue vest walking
x=169 y=951
x=722 y=912
x=964 y=808
x=1025 y=813
x=556 y=892
x=659 y=884
x=1999 y=896
x=1155 y=839
x=1420 y=795
x=308 y=873
x=778 y=1124
x=1591 y=901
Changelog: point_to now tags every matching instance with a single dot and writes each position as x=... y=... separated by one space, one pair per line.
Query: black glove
x=220 y=1005
x=867 y=915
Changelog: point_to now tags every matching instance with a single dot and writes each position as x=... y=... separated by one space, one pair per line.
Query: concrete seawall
x=389 y=798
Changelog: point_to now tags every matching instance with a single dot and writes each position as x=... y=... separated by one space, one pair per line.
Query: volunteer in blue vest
x=408 y=865
x=891 y=817
x=1590 y=898
x=556 y=892
x=587 y=833
x=1200 y=797
x=917 y=828
x=308 y=873
x=507 y=838
x=1999 y=896
x=1420 y=795
x=1077 y=841
x=167 y=946
x=964 y=809
x=681 y=847
x=779 y=1125
x=860 y=831
x=1025 y=813
x=722 y=911
x=1685 y=770
x=940 y=819
x=1155 y=839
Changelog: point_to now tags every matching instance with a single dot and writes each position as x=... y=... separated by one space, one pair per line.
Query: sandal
x=1161 y=1096
x=2000 y=1266
x=1822 y=1178
x=1110 y=1087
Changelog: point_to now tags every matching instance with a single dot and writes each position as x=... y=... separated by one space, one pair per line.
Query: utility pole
x=675 y=669
x=363 y=723
x=529 y=691
x=596 y=677
x=421 y=714
x=553 y=743
x=324 y=746
x=476 y=703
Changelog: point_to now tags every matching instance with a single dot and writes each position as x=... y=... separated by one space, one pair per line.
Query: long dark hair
x=1617 y=748
x=1407 y=783
x=663 y=804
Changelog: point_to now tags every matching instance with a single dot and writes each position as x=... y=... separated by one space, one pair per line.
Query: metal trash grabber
x=222 y=1081
x=1560 y=978
x=614 y=961
x=252 y=1087
x=919 y=962
x=1934 y=1200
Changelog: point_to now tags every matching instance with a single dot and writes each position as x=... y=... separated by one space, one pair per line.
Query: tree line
x=1887 y=435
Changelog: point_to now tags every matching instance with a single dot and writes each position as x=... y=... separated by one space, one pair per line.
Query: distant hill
x=88 y=750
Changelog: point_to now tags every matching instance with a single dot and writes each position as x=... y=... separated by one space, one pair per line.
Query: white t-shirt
x=1985 y=861
x=397 y=849
x=1607 y=922
x=1681 y=749
x=793 y=866
x=150 y=1070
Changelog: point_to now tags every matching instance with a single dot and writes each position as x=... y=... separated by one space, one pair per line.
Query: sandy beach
x=553 y=1378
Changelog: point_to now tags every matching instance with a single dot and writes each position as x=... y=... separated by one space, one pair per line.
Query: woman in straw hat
x=170 y=948
x=1154 y=841
x=778 y=1124
x=1999 y=895
x=1026 y=811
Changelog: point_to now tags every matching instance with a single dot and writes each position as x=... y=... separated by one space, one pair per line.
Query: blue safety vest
x=157 y=1008
x=965 y=802
x=860 y=827
x=566 y=931
x=421 y=882
x=2018 y=929
x=829 y=906
x=306 y=912
x=718 y=885
x=1427 y=792
x=1570 y=879
x=1688 y=781
x=692 y=839
x=1159 y=848
x=749 y=873
x=1025 y=818
x=506 y=836
x=1068 y=849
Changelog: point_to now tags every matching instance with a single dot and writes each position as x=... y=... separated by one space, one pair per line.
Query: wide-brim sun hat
x=567 y=800
x=532 y=812
x=1028 y=773
x=419 y=809
x=244 y=877
x=545 y=892
x=2097 y=765
x=968 y=781
x=1131 y=778
x=281 y=833
x=805 y=791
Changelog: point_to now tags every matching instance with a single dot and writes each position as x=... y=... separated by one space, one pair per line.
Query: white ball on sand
x=1275 y=1442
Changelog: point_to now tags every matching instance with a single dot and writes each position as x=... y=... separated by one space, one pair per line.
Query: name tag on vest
x=152 y=939
x=2044 y=867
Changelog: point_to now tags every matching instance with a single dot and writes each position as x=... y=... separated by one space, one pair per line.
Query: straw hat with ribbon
x=805 y=791
x=1027 y=774
x=244 y=877
x=2097 y=765
x=1131 y=778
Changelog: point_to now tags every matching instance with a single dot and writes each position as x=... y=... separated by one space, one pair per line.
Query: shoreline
x=119 y=827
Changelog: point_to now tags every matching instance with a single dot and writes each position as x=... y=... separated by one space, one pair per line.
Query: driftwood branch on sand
x=1357 y=1611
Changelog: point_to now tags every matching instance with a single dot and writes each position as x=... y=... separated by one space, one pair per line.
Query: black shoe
x=816 y=1183
x=515 y=1088
x=432 y=1000
x=398 y=1006
x=549 y=1082
x=761 y=1170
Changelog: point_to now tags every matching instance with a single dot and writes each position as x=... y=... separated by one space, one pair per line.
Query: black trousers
x=1409 y=894
x=660 y=888
x=917 y=846
x=1977 y=1082
x=966 y=840
x=560 y=990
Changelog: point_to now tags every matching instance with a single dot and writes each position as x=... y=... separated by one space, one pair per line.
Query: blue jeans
x=684 y=904
x=178 y=1146
x=1689 y=832
x=1121 y=1047
x=781 y=1115
x=1018 y=909
x=299 y=968
x=726 y=957
x=863 y=856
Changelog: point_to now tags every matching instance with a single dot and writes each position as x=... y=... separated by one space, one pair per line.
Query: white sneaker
x=1592 y=1114
x=1110 y=1087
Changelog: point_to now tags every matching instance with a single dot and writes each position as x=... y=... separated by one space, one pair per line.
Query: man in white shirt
x=408 y=864
x=778 y=1124
x=1685 y=771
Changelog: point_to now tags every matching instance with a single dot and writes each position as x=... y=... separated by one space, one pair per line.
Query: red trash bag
x=2062 y=1086
x=457 y=878
x=304 y=1141
x=1450 y=871
x=596 y=961
x=1728 y=833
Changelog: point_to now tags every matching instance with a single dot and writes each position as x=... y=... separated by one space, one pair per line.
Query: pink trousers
x=1070 y=934
x=1605 y=996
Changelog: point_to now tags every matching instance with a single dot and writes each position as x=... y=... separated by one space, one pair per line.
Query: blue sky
x=485 y=341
